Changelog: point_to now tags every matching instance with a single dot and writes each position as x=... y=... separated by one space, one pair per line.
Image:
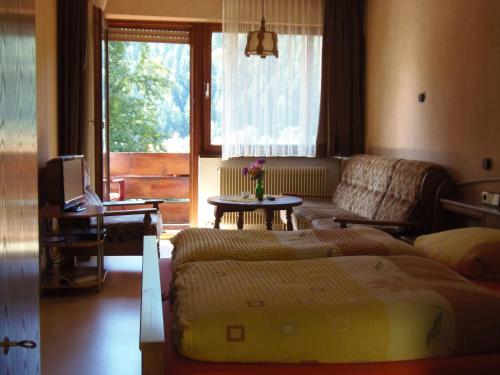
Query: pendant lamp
x=261 y=42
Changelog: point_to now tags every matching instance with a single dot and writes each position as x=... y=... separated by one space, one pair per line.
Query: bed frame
x=152 y=338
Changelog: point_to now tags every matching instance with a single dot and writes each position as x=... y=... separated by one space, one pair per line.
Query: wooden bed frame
x=153 y=346
x=152 y=338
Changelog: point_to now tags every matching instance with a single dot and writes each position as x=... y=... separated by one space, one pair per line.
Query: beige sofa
x=395 y=194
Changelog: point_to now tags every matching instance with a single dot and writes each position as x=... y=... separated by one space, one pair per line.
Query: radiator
x=310 y=180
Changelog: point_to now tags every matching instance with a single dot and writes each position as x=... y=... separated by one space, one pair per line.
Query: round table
x=236 y=203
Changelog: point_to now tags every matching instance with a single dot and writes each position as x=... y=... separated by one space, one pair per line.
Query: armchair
x=126 y=228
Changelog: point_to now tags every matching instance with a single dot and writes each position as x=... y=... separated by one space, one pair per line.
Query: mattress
x=331 y=310
x=203 y=244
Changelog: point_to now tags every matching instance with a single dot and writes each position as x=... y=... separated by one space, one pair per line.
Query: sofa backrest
x=404 y=192
x=364 y=184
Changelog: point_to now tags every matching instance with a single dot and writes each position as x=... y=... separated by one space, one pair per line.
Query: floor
x=95 y=333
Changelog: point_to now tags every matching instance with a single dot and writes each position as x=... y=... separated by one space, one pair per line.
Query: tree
x=138 y=84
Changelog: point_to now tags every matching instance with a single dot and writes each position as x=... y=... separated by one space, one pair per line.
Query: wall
x=206 y=10
x=46 y=78
x=449 y=49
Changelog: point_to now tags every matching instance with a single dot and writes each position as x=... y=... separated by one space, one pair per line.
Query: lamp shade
x=262 y=43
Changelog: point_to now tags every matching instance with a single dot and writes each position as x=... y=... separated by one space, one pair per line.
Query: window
x=271 y=106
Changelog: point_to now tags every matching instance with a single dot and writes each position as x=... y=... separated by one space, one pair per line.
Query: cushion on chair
x=129 y=227
x=364 y=183
x=314 y=215
x=403 y=191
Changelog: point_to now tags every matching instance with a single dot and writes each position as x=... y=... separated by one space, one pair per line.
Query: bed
x=204 y=244
x=159 y=356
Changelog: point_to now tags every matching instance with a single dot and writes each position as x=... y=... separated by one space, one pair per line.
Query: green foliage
x=137 y=87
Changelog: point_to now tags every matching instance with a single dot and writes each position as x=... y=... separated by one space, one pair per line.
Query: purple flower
x=261 y=161
x=244 y=171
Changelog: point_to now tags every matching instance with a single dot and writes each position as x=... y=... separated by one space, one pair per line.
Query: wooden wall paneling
x=19 y=294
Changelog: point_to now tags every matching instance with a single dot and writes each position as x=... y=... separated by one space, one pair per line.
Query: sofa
x=396 y=195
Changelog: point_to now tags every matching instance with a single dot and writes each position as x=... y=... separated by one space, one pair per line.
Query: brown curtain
x=340 y=130
x=72 y=47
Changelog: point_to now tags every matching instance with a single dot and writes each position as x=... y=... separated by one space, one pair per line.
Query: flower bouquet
x=256 y=172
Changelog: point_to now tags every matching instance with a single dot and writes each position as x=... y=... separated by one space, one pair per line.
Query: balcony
x=155 y=175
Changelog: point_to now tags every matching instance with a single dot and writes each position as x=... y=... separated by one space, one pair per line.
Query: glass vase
x=259 y=189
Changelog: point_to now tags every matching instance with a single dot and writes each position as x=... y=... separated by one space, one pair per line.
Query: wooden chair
x=127 y=227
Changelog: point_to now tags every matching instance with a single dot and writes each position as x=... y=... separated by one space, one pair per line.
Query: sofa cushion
x=311 y=211
x=364 y=183
x=131 y=227
x=125 y=228
x=404 y=190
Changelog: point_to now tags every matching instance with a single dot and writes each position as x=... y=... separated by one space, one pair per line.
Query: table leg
x=218 y=217
x=240 y=220
x=100 y=255
x=289 y=224
x=269 y=219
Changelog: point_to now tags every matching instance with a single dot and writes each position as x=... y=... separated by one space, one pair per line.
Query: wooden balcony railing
x=155 y=175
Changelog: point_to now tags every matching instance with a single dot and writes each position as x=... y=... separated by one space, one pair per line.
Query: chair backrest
x=364 y=184
x=91 y=197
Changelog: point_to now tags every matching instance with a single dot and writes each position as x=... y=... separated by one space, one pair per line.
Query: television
x=64 y=181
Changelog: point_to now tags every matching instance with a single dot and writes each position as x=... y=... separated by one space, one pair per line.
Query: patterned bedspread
x=202 y=244
x=332 y=310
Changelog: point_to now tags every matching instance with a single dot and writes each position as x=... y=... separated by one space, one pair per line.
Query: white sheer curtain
x=271 y=106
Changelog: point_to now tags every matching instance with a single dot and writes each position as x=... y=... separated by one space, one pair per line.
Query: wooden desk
x=233 y=203
x=488 y=216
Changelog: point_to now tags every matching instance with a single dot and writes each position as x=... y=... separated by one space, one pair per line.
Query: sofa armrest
x=309 y=197
x=141 y=211
x=135 y=202
x=384 y=223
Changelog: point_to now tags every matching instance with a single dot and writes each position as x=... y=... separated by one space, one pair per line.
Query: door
x=149 y=92
x=19 y=294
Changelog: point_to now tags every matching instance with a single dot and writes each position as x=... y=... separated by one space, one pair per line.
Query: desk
x=73 y=238
x=488 y=216
x=235 y=203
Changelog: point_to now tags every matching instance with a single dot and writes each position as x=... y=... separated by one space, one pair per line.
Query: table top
x=238 y=202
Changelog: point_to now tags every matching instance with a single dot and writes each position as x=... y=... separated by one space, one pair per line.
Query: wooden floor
x=95 y=333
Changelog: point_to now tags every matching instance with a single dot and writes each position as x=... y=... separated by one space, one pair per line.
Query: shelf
x=57 y=281
x=74 y=238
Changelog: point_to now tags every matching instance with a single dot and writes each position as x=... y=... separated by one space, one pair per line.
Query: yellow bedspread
x=346 y=309
x=202 y=244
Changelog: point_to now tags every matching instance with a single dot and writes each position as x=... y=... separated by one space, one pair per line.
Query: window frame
x=207 y=148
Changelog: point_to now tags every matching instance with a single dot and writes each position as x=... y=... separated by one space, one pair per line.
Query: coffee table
x=236 y=203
